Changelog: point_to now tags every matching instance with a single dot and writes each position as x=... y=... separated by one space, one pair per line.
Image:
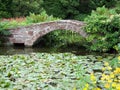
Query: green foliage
x=4 y=14
x=42 y=17
x=60 y=38
x=117 y=8
x=5 y=8
x=52 y=39
x=80 y=17
x=17 y=8
x=103 y=27
x=99 y=3
x=115 y=62
x=72 y=9
x=66 y=9
x=13 y=22
x=3 y=27
x=61 y=71
x=59 y=8
x=3 y=31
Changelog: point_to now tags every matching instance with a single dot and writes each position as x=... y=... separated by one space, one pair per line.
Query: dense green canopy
x=58 y=8
x=17 y=8
x=73 y=8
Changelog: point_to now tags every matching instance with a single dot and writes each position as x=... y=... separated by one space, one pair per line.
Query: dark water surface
x=11 y=50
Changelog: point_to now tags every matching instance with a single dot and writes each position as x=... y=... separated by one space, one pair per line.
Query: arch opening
x=19 y=45
x=60 y=38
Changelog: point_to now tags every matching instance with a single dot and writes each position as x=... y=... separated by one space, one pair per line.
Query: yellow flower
x=103 y=69
x=109 y=68
x=93 y=78
x=87 y=85
x=109 y=81
x=118 y=87
x=107 y=85
x=106 y=63
x=112 y=75
x=117 y=71
x=114 y=84
x=85 y=88
x=118 y=57
x=105 y=77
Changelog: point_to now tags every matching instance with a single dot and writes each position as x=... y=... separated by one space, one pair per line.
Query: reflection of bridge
x=28 y=35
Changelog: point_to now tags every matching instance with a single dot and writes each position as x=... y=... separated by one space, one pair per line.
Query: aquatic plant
x=61 y=71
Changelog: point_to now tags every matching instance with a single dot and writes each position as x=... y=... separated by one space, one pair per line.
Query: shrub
x=117 y=8
x=3 y=31
x=43 y=17
x=3 y=26
x=4 y=14
x=103 y=27
x=80 y=17
x=59 y=38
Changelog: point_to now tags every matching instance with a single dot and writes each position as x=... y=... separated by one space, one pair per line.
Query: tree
x=62 y=8
x=69 y=9
x=5 y=8
x=16 y=8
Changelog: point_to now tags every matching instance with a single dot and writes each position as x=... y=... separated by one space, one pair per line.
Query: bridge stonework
x=28 y=35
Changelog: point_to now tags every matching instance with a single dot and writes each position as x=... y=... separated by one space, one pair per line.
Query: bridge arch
x=29 y=34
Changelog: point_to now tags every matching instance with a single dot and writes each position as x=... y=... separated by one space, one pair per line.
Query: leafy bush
x=4 y=14
x=13 y=8
x=80 y=17
x=93 y=4
x=3 y=31
x=70 y=9
x=43 y=17
x=103 y=27
x=61 y=38
x=3 y=27
x=117 y=8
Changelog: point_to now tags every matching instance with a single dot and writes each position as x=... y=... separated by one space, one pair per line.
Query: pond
x=55 y=71
x=11 y=50
x=53 y=68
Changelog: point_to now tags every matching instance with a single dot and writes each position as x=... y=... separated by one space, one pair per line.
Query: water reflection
x=22 y=50
x=17 y=50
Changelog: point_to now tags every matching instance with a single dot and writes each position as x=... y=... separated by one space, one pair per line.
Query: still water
x=11 y=50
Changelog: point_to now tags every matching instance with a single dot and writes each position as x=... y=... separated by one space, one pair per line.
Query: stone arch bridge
x=28 y=35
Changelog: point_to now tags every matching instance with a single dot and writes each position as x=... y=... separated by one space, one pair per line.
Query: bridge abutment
x=28 y=43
